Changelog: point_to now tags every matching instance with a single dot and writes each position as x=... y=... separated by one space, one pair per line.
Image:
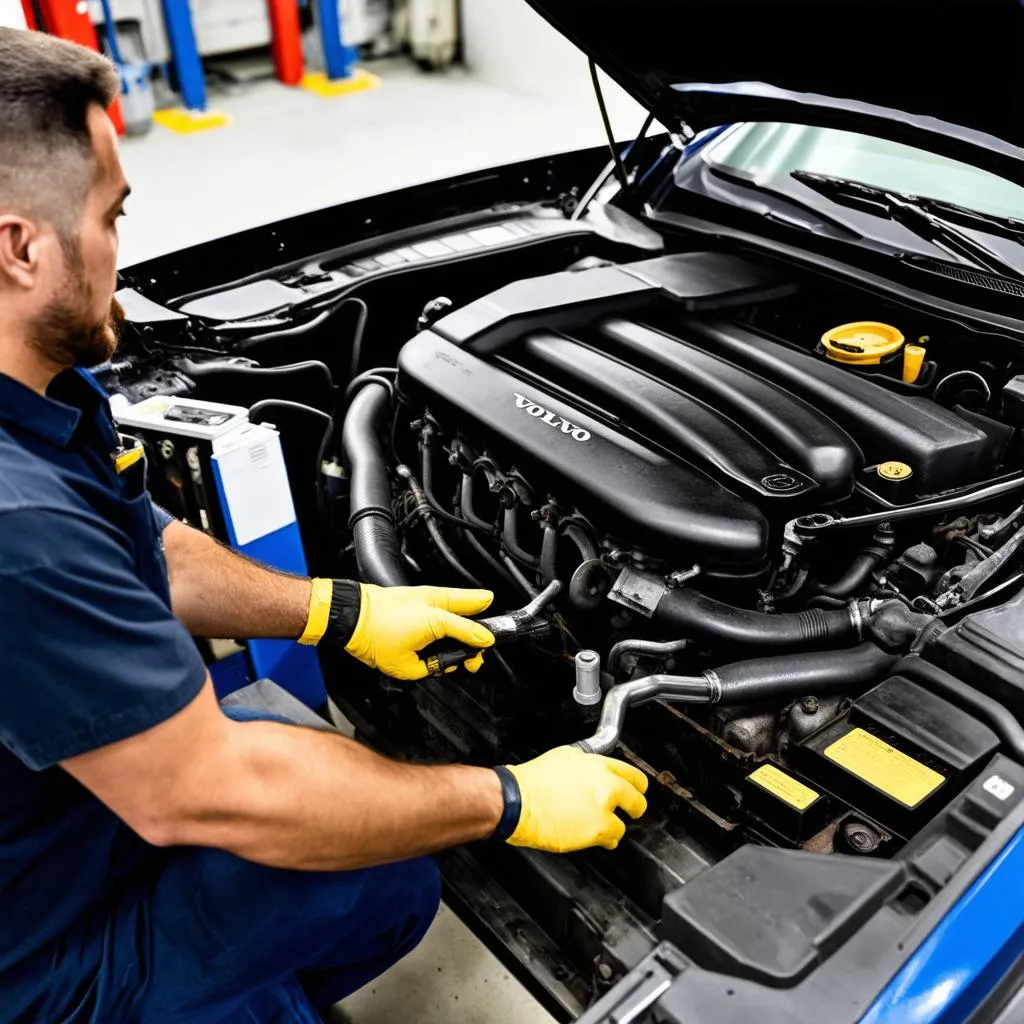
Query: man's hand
x=395 y=623
x=568 y=799
x=217 y=592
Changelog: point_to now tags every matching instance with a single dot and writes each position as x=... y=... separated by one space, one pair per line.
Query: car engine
x=755 y=529
x=751 y=527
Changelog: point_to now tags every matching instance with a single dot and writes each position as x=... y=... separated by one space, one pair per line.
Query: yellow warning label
x=896 y=774
x=784 y=786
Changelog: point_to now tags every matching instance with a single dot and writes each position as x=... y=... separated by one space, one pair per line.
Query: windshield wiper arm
x=1005 y=227
x=861 y=193
x=918 y=215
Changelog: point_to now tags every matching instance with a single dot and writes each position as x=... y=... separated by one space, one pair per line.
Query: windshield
x=768 y=151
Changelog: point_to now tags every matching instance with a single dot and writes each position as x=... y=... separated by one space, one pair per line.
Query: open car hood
x=945 y=78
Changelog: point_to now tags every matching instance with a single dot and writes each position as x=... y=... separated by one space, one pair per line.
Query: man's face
x=77 y=325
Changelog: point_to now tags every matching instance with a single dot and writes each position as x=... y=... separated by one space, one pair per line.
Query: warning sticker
x=896 y=774
x=784 y=786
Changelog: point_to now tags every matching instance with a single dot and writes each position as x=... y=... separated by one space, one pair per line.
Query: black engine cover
x=636 y=491
x=696 y=439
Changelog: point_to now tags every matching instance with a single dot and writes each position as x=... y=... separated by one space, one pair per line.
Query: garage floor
x=287 y=152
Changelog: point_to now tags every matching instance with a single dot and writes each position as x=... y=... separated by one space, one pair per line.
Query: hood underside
x=943 y=77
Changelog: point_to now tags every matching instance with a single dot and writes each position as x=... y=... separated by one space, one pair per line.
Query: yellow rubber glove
x=569 y=798
x=395 y=623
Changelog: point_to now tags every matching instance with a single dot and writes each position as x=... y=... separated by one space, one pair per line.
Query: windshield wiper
x=930 y=219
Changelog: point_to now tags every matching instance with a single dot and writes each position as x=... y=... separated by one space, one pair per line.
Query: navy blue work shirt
x=90 y=653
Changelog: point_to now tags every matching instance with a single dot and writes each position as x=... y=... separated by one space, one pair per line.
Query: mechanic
x=160 y=861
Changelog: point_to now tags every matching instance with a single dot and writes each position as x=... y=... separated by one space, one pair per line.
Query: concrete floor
x=450 y=978
x=287 y=152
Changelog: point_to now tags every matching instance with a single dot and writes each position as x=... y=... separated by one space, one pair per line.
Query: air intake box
x=986 y=649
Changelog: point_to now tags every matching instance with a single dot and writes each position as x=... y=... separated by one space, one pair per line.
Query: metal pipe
x=821 y=521
x=650 y=648
x=677 y=689
x=744 y=682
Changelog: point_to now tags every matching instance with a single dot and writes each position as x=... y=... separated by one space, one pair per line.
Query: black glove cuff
x=513 y=799
x=346 y=600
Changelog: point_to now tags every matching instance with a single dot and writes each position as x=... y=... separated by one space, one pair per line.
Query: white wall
x=508 y=45
x=12 y=15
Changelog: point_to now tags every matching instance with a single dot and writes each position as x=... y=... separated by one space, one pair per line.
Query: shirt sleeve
x=163 y=518
x=88 y=654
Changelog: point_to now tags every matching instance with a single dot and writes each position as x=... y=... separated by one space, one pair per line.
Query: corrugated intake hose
x=689 y=614
x=378 y=553
x=745 y=682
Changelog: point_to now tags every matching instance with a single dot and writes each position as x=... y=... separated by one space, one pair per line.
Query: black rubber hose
x=436 y=506
x=426 y=514
x=378 y=553
x=371 y=487
x=797 y=675
x=856 y=577
x=967 y=698
x=584 y=545
x=265 y=375
x=485 y=556
x=689 y=614
x=257 y=411
x=466 y=507
x=370 y=377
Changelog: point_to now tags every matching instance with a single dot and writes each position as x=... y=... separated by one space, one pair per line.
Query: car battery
x=897 y=756
x=214 y=470
x=179 y=436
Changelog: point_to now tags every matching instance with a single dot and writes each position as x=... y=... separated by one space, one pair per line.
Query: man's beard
x=67 y=332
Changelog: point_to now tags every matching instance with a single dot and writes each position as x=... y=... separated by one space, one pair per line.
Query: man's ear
x=19 y=250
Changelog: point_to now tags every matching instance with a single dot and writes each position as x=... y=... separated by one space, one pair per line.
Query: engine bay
x=751 y=538
x=777 y=532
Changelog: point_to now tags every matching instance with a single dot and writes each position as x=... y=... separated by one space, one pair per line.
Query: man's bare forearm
x=216 y=592
x=297 y=798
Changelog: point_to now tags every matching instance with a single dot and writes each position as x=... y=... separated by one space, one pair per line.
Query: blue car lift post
x=188 y=68
x=339 y=59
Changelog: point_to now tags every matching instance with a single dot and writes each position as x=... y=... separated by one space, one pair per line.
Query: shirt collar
x=53 y=417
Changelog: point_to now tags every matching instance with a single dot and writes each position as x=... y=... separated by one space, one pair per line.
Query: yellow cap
x=913 y=358
x=864 y=343
x=895 y=471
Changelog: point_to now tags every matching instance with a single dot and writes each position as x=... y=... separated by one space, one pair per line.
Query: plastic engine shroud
x=695 y=441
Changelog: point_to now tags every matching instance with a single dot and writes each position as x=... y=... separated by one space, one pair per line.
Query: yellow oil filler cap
x=895 y=471
x=863 y=343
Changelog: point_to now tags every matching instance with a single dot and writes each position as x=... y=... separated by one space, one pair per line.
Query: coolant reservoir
x=863 y=343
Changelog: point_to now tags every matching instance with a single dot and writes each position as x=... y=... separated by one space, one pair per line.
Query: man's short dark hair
x=47 y=87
